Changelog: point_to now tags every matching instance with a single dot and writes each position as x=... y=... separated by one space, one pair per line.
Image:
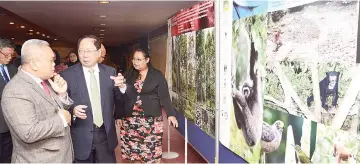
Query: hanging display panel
x=193 y=64
x=326 y=28
x=245 y=113
x=312 y=76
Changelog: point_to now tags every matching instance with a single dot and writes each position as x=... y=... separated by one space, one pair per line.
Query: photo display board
x=289 y=78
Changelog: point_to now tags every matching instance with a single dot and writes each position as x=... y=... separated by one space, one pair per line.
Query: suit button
x=91 y=131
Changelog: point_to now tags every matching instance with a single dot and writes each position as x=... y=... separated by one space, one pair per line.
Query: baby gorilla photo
x=247 y=102
x=328 y=87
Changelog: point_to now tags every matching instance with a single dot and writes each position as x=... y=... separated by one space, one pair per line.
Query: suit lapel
x=103 y=83
x=82 y=84
x=55 y=96
x=12 y=71
x=147 y=79
x=2 y=81
x=37 y=88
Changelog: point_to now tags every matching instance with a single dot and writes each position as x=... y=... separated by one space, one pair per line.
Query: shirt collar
x=96 y=68
x=37 y=80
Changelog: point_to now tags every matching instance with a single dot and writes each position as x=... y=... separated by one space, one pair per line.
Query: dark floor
x=177 y=145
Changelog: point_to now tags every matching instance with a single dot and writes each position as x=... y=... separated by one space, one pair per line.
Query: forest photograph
x=193 y=77
x=206 y=77
x=175 y=65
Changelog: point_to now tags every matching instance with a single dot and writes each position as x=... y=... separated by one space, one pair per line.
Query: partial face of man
x=44 y=64
x=103 y=54
x=6 y=54
x=88 y=54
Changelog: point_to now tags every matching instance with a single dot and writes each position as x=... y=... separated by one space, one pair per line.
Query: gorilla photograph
x=327 y=93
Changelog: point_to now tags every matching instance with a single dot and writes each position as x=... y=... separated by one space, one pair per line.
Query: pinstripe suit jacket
x=37 y=130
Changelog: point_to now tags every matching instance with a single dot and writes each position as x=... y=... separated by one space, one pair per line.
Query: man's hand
x=119 y=80
x=59 y=85
x=79 y=111
x=119 y=122
x=66 y=115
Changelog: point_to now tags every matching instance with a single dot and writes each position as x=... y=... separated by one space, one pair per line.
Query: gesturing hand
x=59 y=85
x=119 y=80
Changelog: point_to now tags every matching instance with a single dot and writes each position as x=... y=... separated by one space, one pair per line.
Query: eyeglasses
x=7 y=54
x=86 y=51
x=137 y=60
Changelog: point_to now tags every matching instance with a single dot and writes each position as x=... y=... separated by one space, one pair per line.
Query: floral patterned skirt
x=141 y=138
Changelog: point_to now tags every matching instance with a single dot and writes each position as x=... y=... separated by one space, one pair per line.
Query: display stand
x=169 y=154
x=185 y=140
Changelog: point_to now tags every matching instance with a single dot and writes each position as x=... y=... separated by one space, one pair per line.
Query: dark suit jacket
x=12 y=71
x=82 y=130
x=154 y=93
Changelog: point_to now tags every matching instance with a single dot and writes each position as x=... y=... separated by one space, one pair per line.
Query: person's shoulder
x=107 y=68
x=70 y=70
x=12 y=88
x=11 y=66
x=157 y=73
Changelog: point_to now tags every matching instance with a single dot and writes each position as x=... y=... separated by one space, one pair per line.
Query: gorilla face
x=332 y=80
x=247 y=88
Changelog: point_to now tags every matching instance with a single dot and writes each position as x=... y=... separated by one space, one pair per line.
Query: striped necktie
x=5 y=75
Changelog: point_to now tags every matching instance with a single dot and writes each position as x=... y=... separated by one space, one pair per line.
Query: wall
x=158 y=52
x=63 y=52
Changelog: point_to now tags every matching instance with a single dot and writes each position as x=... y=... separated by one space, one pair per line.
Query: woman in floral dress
x=141 y=129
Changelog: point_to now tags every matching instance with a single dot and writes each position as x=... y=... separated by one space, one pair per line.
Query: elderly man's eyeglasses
x=7 y=54
x=86 y=51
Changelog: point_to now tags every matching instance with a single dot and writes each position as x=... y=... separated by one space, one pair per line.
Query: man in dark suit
x=7 y=72
x=94 y=88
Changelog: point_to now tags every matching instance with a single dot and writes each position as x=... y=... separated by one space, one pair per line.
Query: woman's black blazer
x=154 y=93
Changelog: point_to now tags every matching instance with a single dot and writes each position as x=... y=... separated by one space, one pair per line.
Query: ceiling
x=125 y=21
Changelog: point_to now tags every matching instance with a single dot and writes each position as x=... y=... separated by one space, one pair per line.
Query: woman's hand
x=119 y=122
x=173 y=120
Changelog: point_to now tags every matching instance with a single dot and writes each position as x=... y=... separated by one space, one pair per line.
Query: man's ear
x=34 y=65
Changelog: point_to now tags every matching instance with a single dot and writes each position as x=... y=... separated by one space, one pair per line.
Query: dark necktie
x=46 y=88
x=5 y=75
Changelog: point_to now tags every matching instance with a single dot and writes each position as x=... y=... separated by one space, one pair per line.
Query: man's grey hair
x=6 y=43
x=26 y=55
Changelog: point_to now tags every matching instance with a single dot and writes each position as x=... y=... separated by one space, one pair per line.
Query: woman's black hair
x=77 y=60
x=133 y=74
x=57 y=57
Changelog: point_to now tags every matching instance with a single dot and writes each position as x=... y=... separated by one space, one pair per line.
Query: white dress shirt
x=96 y=74
x=63 y=100
x=123 y=89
